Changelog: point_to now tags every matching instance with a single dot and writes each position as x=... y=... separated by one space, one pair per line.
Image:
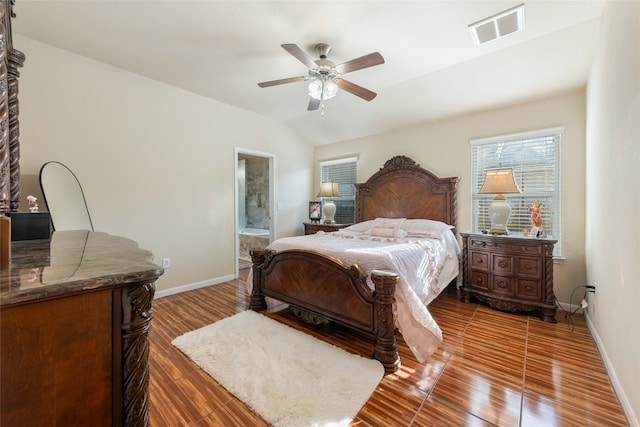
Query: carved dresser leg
x=136 y=323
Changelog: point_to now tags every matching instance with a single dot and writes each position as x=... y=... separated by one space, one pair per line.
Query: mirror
x=64 y=198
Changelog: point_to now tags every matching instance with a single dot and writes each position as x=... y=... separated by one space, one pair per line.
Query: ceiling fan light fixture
x=330 y=89
x=323 y=88
x=315 y=88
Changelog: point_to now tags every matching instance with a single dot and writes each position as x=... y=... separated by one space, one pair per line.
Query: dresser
x=314 y=227
x=510 y=273
x=75 y=315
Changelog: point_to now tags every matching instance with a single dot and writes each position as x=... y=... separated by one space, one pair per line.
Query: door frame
x=272 y=197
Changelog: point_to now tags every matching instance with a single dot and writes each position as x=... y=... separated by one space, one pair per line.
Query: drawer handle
x=502 y=264
x=478 y=279
x=523 y=249
x=502 y=284
x=479 y=260
x=528 y=288
x=528 y=267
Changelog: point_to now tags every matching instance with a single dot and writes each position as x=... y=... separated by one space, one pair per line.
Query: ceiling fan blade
x=300 y=55
x=314 y=104
x=353 y=88
x=282 y=81
x=359 y=63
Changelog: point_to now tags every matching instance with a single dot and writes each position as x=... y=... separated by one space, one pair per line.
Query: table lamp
x=499 y=182
x=329 y=190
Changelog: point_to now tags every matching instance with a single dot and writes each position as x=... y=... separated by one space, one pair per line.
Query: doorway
x=254 y=203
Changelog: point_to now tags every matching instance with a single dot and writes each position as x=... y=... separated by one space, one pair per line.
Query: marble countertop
x=73 y=261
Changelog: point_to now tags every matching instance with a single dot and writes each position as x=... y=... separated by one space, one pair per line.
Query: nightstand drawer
x=529 y=267
x=479 y=280
x=529 y=289
x=502 y=264
x=502 y=285
x=480 y=260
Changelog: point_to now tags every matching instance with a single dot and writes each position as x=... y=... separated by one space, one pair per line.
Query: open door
x=255 y=201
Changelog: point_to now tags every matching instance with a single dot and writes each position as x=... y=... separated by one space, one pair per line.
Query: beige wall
x=613 y=199
x=156 y=162
x=443 y=147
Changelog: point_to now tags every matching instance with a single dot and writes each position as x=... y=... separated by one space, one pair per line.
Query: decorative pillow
x=425 y=228
x=361 y=227
x=389 y=223
x=387 y=232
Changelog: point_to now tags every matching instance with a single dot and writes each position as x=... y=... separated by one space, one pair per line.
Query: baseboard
x=632 y=418
x=193 y=286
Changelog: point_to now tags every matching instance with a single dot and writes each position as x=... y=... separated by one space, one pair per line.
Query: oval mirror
x=64 y=198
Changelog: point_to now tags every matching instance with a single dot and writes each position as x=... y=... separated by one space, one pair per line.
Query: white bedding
x=425 y=266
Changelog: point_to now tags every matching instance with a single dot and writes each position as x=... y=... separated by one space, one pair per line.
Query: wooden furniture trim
x=11 y=60
x=328 y=288
x=314 y=227
x=403 y=189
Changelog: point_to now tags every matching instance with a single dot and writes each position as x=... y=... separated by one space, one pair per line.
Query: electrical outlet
x=166 y=262
x=591 y=288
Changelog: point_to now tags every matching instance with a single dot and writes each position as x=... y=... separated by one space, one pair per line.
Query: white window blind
x=344 y=172
x=535 y=159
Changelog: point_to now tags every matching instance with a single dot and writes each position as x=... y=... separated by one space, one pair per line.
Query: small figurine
x=536 y=219
x=33 y=203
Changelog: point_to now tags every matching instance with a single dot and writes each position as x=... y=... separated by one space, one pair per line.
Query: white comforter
x=425 y=266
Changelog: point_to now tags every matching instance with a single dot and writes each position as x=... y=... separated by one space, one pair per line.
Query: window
x=535 y=159
x=342 y=171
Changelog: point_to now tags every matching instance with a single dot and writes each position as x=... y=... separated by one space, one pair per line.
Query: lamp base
x=498 y=231
x=499 y=213
x=329 y=211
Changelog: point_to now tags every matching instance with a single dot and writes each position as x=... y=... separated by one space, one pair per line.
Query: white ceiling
x=432 y=70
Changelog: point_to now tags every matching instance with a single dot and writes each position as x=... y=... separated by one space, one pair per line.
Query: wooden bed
x=326 y=287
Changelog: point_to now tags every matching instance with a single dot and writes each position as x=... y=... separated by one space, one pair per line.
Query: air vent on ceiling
x=494 y=27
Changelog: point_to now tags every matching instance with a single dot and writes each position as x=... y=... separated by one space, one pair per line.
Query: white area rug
x=286 y=376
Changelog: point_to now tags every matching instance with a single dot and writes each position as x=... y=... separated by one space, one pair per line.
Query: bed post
x=386 y=347
x=258 y=302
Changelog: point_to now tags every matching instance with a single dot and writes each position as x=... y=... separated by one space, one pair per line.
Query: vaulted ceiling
x=432 y=69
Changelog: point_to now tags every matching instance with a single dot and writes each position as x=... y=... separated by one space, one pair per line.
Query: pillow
x=389 y=223
x=387 y=232
x=362 y=227
x=425 y=228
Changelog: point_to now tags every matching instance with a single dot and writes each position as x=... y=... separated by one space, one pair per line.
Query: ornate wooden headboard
x=403 y=189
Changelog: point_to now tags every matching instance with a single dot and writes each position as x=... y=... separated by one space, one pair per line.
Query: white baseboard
x=632 y=418
x=192 y=286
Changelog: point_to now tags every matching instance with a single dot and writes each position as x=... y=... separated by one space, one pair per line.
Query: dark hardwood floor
x=493 y=368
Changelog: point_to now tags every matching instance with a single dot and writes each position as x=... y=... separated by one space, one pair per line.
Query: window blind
x=344 y=172
x=535 y=159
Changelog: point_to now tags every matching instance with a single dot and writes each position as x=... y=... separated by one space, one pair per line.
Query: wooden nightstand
x=314 y=227
x=509 y=273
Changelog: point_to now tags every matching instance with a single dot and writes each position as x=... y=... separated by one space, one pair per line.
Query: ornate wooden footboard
x=325 y=286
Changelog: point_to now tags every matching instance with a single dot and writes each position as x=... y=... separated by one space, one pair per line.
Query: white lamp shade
x=329 y=189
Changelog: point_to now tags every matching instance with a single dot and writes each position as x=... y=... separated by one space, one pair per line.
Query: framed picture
x=315 y=211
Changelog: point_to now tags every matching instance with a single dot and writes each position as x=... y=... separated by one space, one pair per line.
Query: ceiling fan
x=325 y=77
